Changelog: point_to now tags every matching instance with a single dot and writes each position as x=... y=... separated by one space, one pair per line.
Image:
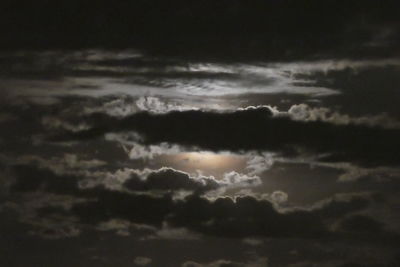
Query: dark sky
x=200 y=133
x=271 y=29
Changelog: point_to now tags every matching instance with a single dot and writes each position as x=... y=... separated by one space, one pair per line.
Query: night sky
x=200 y=133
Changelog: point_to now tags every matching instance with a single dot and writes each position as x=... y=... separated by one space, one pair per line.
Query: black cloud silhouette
x=170 y=179
x=253 y=129
x=239 y=217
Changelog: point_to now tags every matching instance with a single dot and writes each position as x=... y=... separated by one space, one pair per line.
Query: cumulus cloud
x=165 y=179
x=139 y=151
x=170 y=179
x=258 y=163
x=154 y=104
x=69 y=175
x=304 y=112
x=235 y=179
x=279 y=197
x=126 y=105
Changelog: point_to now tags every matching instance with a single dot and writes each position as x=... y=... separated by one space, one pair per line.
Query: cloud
x=374 y=84
x=353 y=173
x=7 y=117
x=141 y=88
x=68 y=164
x=124 y=227
x=304 y=112
x=254 y=129
x=121 y=87
x=139 y=151
x=164 y=179
x=56 y=123
x=44 y=215
x=142 y=261
x=105 y=208
x=154 y=104
x=235 y=179
x=170 y=179
x=33 y=179
x=125 y=105
x=258 y=262
x=361 y=224
x=56 y=232
x=218 y=263
x=279 y=197
x=119 y=107
x=247 y=216
x=256 y=162
x=69 y=175
x=331 y=263
x=253 y=241
x=170 y=233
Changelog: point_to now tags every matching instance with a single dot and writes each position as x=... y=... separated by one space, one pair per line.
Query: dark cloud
x=31 y=179
x=367 y=90
x=224 y=217
x=240 y=217
x=361 y=224
x=247 y=216
x=257 y=262
x=170 y=179
x=253 y=129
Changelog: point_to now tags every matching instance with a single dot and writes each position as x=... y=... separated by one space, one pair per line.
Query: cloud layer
x=253 y=129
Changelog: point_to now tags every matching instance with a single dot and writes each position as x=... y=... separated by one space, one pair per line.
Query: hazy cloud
x=142 y=261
